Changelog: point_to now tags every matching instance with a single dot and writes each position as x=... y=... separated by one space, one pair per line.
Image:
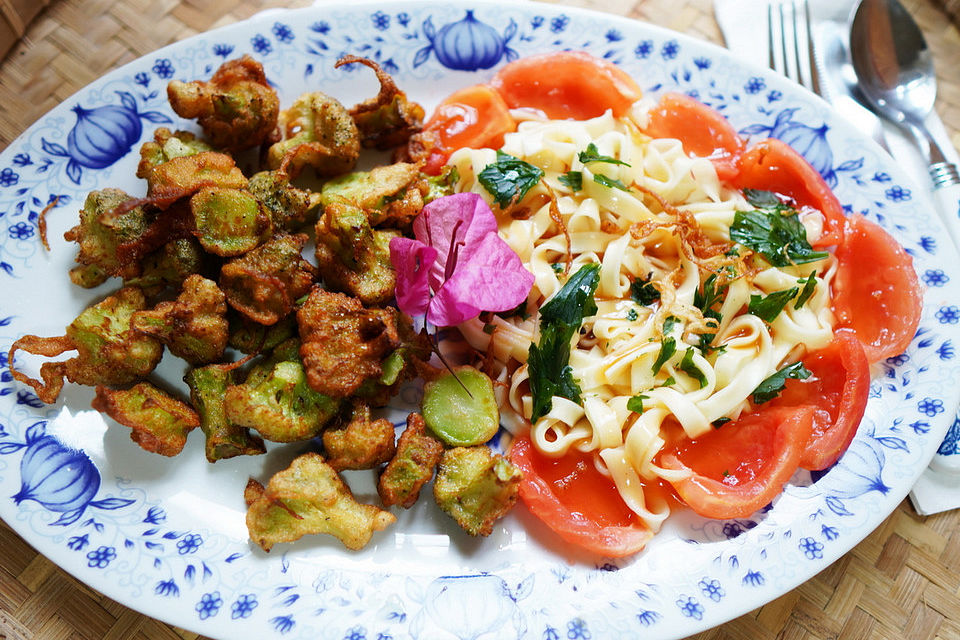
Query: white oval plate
x=167 y=536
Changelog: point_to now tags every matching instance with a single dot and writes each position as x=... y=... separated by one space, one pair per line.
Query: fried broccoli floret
x=344 y=344
x=390 y=195
x=404 y=363
x=169 y=266
x=289 y=207
x=276 y=400
x=460 y=408
x=316 y=131
x=412 y=467
x=309 y=498
x=183 y=176
x=476 y=487
x=159 y=421
x=208 y=387
x=359 y=442
x=389 y=119
x=265 y=283
x=247 y=336
x=237 y=108
x=441 y=185
x=229 y=222
x=165 y=146
x=109 y=351
x=100 y=233
x=194 y=326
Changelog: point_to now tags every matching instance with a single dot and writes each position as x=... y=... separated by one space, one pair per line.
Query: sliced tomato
x=577 y=502
x=703 y=131
x=773 y=165
x=838 y=390
x=876 y=292
x=739 y=468
x=567 y=84
x=475 y=117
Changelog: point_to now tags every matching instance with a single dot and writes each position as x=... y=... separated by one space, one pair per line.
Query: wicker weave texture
x=902 y=582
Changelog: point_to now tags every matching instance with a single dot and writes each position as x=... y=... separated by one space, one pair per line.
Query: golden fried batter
x=237 y=108
x=475 y=487
x=344 y=344
x=315 y=131
x=208 y=387
x=229 y=222
x=361 y=443
x=166 y=146
x=389 y=119
x=309 y=498
x=159 y=421
x=418 y=453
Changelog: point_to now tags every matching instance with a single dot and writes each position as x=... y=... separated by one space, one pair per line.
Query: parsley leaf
x=809 y=285
x=667 y=348
x=705 y=299
x=560 y=318
x=632 y=315
x=669 y=382
x=607 y=181
x=689 y=368
x=592 y=154
x=773 y=385
x=643 y=292
x=669 y=323
x=509 y=178
x=762 y=199
x=777 y=235
x=572 y=179
x=635 y=403
x=719 y=422
x=767 y=308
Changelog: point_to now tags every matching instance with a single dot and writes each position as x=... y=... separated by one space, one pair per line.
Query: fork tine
x=790 y=44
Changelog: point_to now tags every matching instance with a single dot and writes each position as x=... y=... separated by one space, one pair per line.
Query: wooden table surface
x=902 y=581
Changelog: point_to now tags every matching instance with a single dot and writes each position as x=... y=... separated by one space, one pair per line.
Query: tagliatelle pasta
x=648 y=213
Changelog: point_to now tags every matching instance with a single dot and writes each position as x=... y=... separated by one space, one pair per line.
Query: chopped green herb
x=692 y=370
x=489 y=328
x=509 y=178
x=767 y=308
x=719 y=422
x=773 y=385
x=557 y=267
x=705 y=299
x=810 y=283
x=632 y=315
x=667 y=348
x=560 y=318
x=643 y=292
x=762 y=199
x=572 y=179
x=519 y=310
x=592 y=154
x=669 y=382
x=607 y=181
x=726 y=474
x=669 y=324
x=777 y=235
x=635 y=403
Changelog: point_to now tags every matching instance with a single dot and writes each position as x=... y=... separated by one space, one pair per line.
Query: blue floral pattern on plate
x=167 y=536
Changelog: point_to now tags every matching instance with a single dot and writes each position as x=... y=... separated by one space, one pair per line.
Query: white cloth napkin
x=744 y=27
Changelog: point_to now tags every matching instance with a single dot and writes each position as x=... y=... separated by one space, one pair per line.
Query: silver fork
x=790 y=46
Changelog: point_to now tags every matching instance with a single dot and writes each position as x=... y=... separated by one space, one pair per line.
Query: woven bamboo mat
x=901 y=582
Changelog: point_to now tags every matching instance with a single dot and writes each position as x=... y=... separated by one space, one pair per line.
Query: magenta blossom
x=457 y=266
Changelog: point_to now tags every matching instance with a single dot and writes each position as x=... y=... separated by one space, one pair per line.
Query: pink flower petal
x=412 y=260
x=461 y=219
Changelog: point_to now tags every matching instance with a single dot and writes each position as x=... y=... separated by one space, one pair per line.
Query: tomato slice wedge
x=577 y=502
x=838 y=390
x=739 y=468
x=703 y=131
x=773 y=165
x=876 y=292
x=475 y=117
x=567 y=84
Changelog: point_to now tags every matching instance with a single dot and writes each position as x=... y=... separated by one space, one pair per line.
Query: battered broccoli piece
x=441 y=185
x=412 y=467
x=360 y=443
x=309 y=498
x=229 y=222
x=390 y=195
x=166 y=145
x=315 y=131
x=208 y=387
x=264 y=284
x=276 y=401
x=403 y=364
x=109 y=351
x=247 y=336
x=183 y=176
x=389 y=119
x=475 y=487
x=237 y=108
x=344 y=344
x=289 y=207
x=169 y=266
x=159 y=421
x=100 y=233
x=353 y=257
x=194 y=326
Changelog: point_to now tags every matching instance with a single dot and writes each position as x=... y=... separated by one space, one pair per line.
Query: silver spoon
x=895 y=72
